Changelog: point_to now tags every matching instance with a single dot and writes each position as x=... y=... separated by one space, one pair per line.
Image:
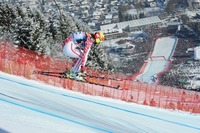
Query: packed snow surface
x=28 y=106
x=162 y=52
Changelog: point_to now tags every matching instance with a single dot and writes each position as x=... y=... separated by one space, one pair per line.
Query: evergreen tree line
x=45 y=34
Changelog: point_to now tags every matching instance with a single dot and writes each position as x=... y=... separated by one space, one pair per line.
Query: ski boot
x=67 y=74
x=79 y=77
x=76 y=75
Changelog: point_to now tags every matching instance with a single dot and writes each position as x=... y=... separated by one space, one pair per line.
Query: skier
x=77 y=45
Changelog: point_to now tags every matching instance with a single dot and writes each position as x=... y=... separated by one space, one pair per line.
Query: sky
x=27 y=106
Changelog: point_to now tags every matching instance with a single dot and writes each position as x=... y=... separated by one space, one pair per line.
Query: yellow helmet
x=99 y=37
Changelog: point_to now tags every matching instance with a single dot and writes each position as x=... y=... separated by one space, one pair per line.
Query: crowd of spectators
x=138 y=55
x=141 y=52
x=180 y=64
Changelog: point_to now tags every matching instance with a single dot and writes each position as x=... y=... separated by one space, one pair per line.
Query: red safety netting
x=22 y=62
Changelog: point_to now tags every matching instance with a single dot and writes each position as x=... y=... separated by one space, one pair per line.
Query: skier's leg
x=75 y=70
x=70 y=50
x=77 y=66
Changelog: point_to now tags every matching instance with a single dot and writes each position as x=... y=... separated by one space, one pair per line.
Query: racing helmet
x=99 y=37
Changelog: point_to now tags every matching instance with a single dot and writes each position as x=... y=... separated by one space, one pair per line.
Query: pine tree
x=22 y=33
x=52 y=28
x=7 y=16
x=40 y=36
x=19 y=12
x=67 y=26
x=97 y=58
x=31 y=30
x=81 y=26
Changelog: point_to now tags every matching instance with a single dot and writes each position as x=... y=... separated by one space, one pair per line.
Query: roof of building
x=132 y=23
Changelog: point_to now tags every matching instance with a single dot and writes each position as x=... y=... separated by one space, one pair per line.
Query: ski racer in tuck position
x=78 y=45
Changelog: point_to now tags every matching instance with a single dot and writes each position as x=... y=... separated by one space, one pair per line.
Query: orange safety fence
x=22 y=62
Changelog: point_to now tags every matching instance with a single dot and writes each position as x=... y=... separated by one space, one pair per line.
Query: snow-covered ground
x=30 y=107
x=162 y=52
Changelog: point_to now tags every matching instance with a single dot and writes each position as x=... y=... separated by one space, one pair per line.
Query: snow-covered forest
x=35 y=31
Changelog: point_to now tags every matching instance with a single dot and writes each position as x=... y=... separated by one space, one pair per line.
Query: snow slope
x=165 y=47
x=28 y=107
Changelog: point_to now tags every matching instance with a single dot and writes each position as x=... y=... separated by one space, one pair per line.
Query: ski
x=47 y=73
x=85 y=74
x=64 y=75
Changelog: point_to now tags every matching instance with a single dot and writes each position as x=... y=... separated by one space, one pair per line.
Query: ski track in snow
x=13 y=101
